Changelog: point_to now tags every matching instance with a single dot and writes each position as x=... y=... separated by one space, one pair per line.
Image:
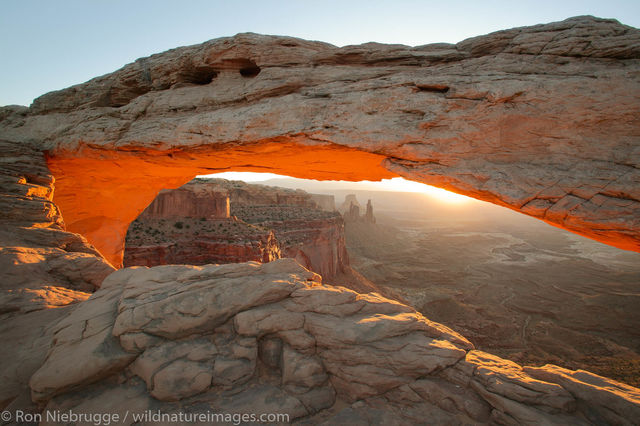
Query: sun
x=402 y=185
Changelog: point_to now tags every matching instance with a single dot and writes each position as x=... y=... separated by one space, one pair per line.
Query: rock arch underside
x=544 y=120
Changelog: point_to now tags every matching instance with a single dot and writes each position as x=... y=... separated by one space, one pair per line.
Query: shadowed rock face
x=542 y=119
x=42 y=266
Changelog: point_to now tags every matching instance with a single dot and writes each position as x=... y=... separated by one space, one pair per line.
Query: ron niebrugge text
x=106 y=419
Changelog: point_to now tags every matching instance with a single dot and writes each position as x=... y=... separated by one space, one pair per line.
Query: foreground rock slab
x=264 y=338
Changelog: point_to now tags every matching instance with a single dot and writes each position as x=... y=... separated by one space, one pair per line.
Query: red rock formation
x=368 y=216
x=183 y=202
x=304 y=232
x=196 y=242
x=349 y=200
x=542 y=119
x=319 y=245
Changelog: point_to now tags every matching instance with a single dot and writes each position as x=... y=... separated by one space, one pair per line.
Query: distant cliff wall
x=318 y=244
x=324 y=201
x=192 y=225
x=203 y=242
x=352 y=211
x=184 y=202
x=346 y=205
x=242 y=193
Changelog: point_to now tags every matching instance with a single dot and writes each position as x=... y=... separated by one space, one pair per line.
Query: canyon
x=542 y=119
x=514 y=286
x=193 y=225
x=255 y=223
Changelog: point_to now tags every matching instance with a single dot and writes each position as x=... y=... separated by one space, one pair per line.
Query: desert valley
x=139 y=287
x=513 y=285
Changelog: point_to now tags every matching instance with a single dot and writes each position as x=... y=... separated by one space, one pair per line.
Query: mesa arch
x=544 y=120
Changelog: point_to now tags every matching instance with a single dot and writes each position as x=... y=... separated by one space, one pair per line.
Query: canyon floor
x=518 y=288
x=513 y=285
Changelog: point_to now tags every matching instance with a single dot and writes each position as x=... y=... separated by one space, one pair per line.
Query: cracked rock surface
x=260 y=337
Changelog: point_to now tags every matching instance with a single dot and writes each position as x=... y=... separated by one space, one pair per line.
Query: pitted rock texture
x=271 y=336
x=543 y=119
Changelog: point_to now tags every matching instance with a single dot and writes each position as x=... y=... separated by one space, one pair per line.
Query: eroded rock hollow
x=542 y=119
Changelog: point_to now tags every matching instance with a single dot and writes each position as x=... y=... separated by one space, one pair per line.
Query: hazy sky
x=48 y=45
x=396 y=184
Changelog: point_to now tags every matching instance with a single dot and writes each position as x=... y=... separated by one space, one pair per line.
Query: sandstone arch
x=544 y=120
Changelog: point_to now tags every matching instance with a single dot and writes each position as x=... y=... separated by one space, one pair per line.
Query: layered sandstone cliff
x=313 y=237
x=269 y=223
x=308 y=232
x=192 y=225
x=184 y=240
x=245 y=194
x=183 y=202
x=42 y=265
x=541 y=119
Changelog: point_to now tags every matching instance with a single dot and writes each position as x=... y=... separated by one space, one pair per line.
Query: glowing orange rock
x=544 y=120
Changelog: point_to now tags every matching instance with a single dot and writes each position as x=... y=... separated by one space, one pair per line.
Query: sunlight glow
x=402 y=185
x=397 y=184
x=245 y=176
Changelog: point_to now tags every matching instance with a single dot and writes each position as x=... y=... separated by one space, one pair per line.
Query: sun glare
x=403 y=185
x=244 y=176
x=397 y=184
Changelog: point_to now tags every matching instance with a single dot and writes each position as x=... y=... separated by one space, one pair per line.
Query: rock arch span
x=544 y=120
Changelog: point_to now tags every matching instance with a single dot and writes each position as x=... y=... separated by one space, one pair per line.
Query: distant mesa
x=352 y=213
x=219 y=221
x=349 y=200
x=188 y=202
x=324 y=202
